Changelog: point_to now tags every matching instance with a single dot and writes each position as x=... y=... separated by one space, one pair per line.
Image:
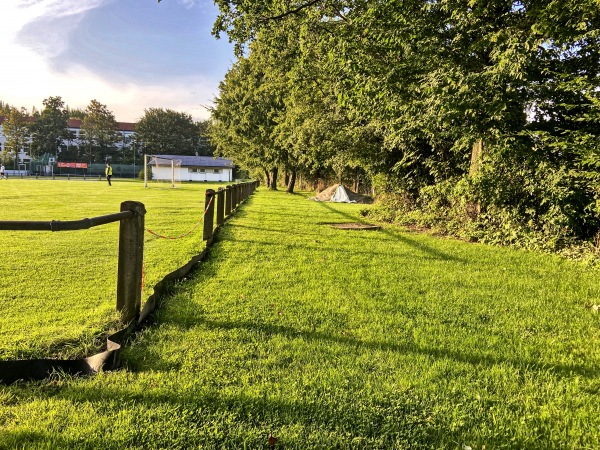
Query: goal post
x=162 y=169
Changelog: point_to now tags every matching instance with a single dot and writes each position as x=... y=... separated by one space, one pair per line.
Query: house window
x=217 y=171
x=193 y=170
x=201 y=170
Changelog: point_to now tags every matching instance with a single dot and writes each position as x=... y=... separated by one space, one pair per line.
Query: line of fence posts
x=131 y=240
x=227 y=201
x=131 y=237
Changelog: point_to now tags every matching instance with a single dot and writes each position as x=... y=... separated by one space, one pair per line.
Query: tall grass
x=328 y=338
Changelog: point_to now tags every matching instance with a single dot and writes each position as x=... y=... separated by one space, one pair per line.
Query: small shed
x=191 y=168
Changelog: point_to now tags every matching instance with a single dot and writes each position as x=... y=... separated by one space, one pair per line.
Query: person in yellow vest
x=108 y=173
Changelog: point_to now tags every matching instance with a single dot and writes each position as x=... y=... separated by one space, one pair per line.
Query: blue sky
x=127 y=54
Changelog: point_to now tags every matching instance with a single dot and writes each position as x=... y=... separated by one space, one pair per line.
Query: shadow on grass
x=342 y=250
x=435 y=253
x=397 y=421
x=488 y=360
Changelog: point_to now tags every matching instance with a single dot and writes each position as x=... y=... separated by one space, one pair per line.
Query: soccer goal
x=162 y=171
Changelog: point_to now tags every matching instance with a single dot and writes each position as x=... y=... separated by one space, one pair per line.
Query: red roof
x=74 y=123
x=125 y=126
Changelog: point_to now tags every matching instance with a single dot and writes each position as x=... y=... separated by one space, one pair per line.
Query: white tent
x=341 y=195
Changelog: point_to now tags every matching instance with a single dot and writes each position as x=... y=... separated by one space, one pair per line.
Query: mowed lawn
x=324 y=338
x=58 y=289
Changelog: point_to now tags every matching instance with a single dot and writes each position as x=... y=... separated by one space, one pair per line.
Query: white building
x=191 y=168
x=125 y=130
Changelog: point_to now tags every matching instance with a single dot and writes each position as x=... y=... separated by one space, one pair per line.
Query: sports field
x=58 y=289
x=297 y=335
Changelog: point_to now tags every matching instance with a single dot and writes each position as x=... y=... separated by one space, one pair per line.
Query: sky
x=129 y=55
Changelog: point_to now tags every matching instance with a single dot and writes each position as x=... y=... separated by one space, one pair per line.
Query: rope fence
x=130 y=277
x=196 y=225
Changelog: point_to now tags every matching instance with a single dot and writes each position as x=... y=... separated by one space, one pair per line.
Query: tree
x=50 y=128
x=76 y=113
x=16 y=131
x=164 y=131
x=205 y=145
x=99 y=133
x=4 y=108
x=244 y=119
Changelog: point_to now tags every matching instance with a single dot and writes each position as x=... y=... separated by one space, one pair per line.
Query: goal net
x=162 y=171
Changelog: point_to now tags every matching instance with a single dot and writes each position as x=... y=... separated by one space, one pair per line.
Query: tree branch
x=292 y=11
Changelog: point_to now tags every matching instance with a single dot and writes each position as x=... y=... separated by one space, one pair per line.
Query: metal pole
x=145 y=171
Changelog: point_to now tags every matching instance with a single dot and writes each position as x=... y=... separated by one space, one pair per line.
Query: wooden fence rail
x=130 y=267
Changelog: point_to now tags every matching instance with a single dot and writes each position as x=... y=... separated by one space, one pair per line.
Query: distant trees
x=159 y=131
x=205 y=145
x=164 y=131
x=16 y=131
x=98 y=132
x=50 y=128
x=4 y=108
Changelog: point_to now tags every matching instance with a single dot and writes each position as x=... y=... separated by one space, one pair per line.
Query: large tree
x=16 y=132
x=99 y=133
x=164 y=131
x=245 y=115
x=50 y=128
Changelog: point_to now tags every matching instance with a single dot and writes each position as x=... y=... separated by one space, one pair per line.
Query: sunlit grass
x=328 y=338
x=58 y=290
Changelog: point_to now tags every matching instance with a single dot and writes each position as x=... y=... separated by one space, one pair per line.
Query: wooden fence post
x=233 y=196
x=131 y=257
x=209 y=214
x=227 y=201
x=236 y=195
x=220 y=206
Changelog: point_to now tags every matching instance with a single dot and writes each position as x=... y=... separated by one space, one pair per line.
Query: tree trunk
x=274 y=173
x=286 y=177
x=476 y=155
x=291 y=183
x=474 y=209
x=268 y=178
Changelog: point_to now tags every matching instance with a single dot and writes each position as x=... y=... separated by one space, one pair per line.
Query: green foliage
x=205 y=145
x=168 y=132
x=245 y=115
x=50 y=129
x=98 y=132
x=16 y=131
x=402 y=90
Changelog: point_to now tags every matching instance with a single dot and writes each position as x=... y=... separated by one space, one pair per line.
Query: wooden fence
x=223 y=202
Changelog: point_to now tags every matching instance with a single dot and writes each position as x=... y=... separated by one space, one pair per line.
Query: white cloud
x=188 y=3
x=36 y=31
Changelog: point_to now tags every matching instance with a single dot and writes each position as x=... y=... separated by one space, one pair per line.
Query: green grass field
x=324 y=338
x=58 y=290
